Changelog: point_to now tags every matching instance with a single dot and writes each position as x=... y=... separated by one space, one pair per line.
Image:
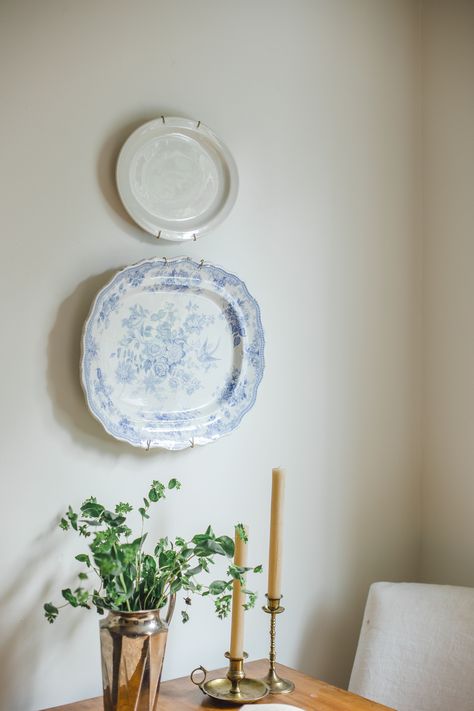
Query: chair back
x=416 y=647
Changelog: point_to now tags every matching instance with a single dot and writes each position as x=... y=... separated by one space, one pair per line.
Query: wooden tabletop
x=309 y=694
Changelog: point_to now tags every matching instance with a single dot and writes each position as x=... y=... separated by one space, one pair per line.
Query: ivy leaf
x=82 y=597
x=91 y=509
x=176 y=585
x=222 y=605
x=158 y=490
x=240 y=529
x=153 y=496
x=194 y=571
x=84 y=558
x=251 y=599
x=123 y=508
x=236 y=572
x=113 y=519
x=227 y=544
x=72 y=518
x=258 y=569
x=217 y=587
x=140 y=540
x=174 y=484
x=216 y=547
x=50 y=612
x=184 y=616
x=70 y=597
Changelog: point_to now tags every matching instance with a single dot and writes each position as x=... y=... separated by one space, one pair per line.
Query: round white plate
x=176 y=179
x=172 y=353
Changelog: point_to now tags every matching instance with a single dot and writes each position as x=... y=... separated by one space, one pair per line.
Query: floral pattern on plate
x=173 y=353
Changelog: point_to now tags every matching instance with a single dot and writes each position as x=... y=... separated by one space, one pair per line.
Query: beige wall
x=316 y=99
x=448 y=484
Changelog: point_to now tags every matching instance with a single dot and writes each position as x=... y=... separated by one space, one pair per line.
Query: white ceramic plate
x=176 y=179
x=173 y=353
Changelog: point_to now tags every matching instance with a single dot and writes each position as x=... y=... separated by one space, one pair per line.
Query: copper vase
x=132 y=649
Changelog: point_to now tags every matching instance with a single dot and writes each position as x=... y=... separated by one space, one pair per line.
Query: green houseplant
x=134 y=586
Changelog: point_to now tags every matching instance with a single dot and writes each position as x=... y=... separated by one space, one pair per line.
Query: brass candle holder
x=275 y=684
x=235 y=688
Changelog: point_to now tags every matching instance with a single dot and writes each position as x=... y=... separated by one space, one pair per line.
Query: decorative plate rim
x=152 y=227
x=195 y=441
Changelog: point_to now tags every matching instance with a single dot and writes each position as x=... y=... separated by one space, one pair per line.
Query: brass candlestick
x=235 y=688
x=275 y=684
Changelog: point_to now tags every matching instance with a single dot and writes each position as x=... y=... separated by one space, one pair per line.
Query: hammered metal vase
x=132 y=649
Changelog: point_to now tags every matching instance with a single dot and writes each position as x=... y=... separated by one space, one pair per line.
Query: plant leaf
x=217 y=587
x=70 y=597
x=84 y=558
x=50 y=612
x=227 y=544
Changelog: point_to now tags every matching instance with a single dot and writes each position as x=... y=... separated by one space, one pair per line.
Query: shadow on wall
x=23 y=628
x=352 y=559
x=63 y=372
x=64 y=346
x=325 y=642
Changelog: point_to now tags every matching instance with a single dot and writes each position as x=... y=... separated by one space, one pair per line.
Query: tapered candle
x=276 y=531
x=237 y=629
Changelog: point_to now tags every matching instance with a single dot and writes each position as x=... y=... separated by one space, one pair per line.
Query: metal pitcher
x=132 y=649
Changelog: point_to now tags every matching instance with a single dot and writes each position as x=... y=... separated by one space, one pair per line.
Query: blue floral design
x=103 y=391
x=126 y=426
x=125 y=372
x=157 y=347
x=92 y=348
x=235 y=323
x=110 y=305
x=161 y=351
x=135 y=277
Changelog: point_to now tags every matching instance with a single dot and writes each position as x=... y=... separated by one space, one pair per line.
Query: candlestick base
x=275 y=684
x=235 y=688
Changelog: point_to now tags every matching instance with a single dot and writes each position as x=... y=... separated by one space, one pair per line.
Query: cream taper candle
x=276 y=533
x=238 y=600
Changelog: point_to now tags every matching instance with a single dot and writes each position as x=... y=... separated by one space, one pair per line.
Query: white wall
x=448 y=484
x=316 y=99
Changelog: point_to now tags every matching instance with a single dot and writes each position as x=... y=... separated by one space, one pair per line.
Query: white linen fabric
x=416 y=648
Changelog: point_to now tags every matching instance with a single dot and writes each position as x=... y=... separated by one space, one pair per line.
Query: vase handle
x=171 y=604
x=196 y=671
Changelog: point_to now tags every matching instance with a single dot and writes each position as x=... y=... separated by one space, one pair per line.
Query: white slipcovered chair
x=416 y=648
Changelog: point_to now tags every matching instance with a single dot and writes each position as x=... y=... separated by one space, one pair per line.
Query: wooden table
x=310 y=695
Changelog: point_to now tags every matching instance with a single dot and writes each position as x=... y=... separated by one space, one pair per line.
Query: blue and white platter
x=172 y=353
